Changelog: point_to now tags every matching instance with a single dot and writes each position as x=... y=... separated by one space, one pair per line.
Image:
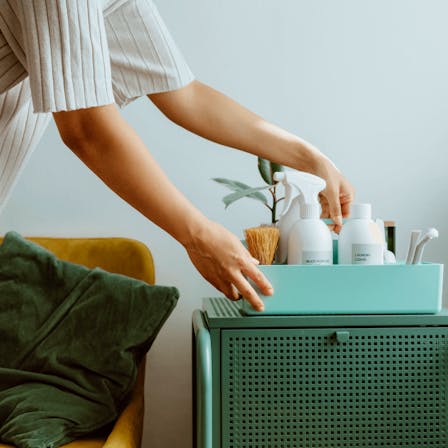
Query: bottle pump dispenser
x=290 y=214
x=303 y=234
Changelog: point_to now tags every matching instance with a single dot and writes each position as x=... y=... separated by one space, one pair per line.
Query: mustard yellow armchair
x=122 y=256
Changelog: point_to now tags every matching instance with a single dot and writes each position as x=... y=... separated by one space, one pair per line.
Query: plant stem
x=274 y=204
x=275 y=201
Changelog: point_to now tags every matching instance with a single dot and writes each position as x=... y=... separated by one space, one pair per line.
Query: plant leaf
x=251 y=193
x=235 y=185
x=274 y=168
x=265 y=170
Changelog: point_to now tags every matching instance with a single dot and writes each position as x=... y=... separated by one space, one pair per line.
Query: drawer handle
x=342 y=336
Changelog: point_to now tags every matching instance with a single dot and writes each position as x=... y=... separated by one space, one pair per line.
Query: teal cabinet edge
x=204 y=381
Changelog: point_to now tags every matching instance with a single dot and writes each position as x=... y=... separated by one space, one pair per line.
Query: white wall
x=366 y=81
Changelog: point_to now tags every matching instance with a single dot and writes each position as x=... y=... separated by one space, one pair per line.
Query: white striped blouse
x=87 y=53
x=60 y=55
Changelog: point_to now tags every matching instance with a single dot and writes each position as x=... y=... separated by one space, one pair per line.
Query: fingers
x=345 y=208
x=259 y=279
x=331 y=208
x=227 y=289
x=334 y=206
x=248 y=292
x=324 y=206
x=244 y=287
x=223 y=261
x=325 y=211
x=235 y=293
x=346 y=200
x=237 y=286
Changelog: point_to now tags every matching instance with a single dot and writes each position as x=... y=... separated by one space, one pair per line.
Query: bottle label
x=367 y=254
x=317 y=257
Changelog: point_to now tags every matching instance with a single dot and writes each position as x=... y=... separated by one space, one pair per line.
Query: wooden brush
x=262 y=242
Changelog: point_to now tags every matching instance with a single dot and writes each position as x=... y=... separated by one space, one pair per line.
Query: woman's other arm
x=103 y=140
x=212 y=115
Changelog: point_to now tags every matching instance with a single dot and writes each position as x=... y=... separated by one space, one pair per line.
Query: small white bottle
x=310 y=240
x=360 y=240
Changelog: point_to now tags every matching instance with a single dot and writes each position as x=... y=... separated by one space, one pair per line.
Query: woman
x=75 y=59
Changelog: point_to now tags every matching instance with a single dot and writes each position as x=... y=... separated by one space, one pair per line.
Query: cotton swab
x=415 y=235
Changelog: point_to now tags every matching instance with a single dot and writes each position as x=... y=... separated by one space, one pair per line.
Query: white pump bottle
x=360 y=240
x=309 y=240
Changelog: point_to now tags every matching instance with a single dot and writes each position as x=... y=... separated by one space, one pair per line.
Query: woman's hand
x=338 y=194
x=210 y=114
x=223 y=261
x=109 y=147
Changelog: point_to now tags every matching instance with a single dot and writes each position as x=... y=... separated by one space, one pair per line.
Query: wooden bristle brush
x=262 y=242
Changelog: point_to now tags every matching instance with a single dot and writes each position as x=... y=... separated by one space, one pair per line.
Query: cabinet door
x=335 y=388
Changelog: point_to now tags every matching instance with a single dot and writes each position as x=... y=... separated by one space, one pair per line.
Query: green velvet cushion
x=71 y=339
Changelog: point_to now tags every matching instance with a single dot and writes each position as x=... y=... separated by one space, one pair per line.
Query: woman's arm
x=111 y=149
x=210 y=114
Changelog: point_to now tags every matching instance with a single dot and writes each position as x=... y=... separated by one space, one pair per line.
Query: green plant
x=241 y=190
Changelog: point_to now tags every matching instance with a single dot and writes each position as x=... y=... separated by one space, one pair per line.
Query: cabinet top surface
x=220 y=312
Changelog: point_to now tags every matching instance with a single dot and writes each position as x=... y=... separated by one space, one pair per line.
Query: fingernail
x=255 y=260
x=260 y=308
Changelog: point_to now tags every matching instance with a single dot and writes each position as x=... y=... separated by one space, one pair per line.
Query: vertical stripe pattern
x=144 y=56
x=71 y=54
x=79 y=55
x=12 y=70
x=67 y=56
x=20 y=131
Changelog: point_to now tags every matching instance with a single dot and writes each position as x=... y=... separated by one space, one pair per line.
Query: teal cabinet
x=319 y=381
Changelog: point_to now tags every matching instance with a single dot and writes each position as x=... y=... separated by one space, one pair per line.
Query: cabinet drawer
x=335 y=388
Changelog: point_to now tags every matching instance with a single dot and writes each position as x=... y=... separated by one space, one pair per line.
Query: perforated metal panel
x=381 y=388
